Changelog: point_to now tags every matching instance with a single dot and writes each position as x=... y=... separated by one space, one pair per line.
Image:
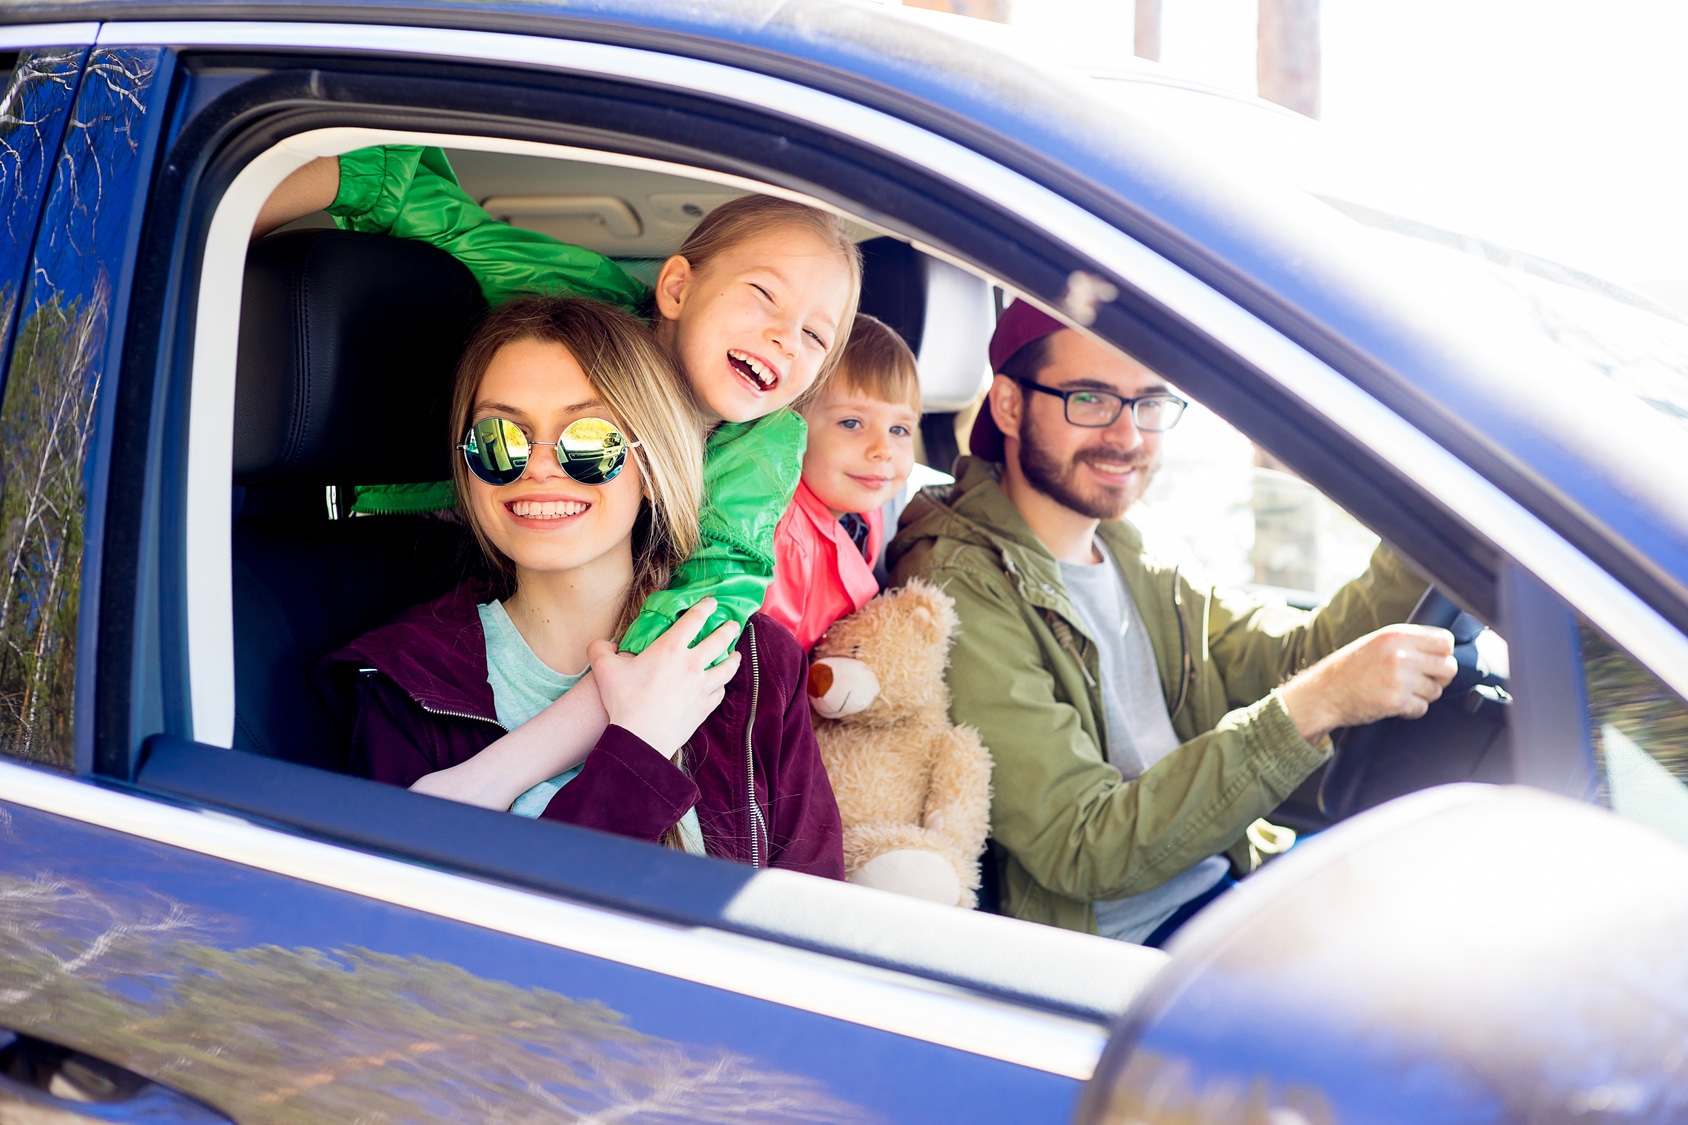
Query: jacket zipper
x=367 y=672
x=1186 y=666
x=758 y=826
x=461 y=715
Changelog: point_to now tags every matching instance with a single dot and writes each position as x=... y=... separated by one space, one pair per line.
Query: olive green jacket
x=1025 y=673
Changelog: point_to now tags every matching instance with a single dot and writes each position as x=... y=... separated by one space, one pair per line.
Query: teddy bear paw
x=911 y=872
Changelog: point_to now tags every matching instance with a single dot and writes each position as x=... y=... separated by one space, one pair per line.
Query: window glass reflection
x=1640 y=730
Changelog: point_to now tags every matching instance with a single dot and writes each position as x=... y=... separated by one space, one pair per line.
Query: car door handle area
x=43 y=1083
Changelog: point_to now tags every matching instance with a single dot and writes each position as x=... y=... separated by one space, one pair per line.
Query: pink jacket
x=819 y=575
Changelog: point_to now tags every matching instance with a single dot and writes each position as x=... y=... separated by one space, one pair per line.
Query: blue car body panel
x=270 y=998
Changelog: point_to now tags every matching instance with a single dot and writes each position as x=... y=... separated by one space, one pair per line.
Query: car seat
x=348 y=344
x=946 y=316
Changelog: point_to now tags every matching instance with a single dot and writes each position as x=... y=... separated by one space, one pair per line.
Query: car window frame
x=1237 y=361
x=1158 y=284
x=1321 y=389
x=653 y=882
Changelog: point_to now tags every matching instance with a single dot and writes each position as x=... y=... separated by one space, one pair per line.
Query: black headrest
x=894 y=288
x=348 y=343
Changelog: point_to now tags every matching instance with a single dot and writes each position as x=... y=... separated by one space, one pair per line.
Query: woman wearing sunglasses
x=577 y=468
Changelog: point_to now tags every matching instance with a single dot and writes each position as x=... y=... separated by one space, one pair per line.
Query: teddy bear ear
x=837 y=639
x=930 y=610
x=932 y=628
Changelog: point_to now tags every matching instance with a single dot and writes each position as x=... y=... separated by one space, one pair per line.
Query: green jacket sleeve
x=750 y=471
x=1258 y=645
x=411 y=192
x=1078 y=827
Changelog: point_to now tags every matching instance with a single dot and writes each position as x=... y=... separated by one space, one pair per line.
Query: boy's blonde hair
x=641 y=392
x=751 y=216
x=877 y=363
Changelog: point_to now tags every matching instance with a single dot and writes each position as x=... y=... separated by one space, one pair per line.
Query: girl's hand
x=666 y=692
x=309 y=189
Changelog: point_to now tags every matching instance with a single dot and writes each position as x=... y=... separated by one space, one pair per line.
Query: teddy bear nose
x=845 y=686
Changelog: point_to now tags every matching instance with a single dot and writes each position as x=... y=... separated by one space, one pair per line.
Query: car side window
x=1245 y=519
x=40 y=86
x=76 y=169
x=1640 y=731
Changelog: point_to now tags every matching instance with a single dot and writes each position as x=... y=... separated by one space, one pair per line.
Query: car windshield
x=1552 y=315
x=1614 y=361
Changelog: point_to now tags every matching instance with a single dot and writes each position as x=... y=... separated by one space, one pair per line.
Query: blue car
x=204 y=918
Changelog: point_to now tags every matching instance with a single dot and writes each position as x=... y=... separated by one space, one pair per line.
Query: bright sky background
x=1554 y=126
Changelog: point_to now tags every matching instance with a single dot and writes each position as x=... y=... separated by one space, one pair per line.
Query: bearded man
x=1139 y=720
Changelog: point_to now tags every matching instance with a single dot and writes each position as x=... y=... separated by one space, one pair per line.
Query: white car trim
x=23 y=37
x=1605 y=601
x=764 y=970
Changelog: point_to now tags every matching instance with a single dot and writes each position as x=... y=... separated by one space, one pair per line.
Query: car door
x=262 y=855
x=238 y=938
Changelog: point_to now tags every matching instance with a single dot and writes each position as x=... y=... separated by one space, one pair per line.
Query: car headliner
x=1256 y=247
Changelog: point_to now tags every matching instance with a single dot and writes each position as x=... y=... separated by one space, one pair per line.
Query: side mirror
x=1460 y=954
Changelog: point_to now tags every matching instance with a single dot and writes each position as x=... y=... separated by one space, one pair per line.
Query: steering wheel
x=1462 y=737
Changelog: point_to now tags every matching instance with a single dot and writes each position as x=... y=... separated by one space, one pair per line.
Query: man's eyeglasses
x=1151 y=413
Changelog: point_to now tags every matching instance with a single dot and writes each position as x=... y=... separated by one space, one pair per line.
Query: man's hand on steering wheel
x=1397 y=671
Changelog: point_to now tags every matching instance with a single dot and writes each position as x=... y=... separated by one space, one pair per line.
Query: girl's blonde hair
x=751 y=216
x=641 y=392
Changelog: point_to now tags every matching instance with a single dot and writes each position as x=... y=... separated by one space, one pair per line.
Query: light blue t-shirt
x=524 y=685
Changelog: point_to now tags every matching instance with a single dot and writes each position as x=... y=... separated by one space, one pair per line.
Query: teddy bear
x=913 y=788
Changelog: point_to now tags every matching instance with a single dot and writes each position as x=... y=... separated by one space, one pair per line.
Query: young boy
x=860 y=452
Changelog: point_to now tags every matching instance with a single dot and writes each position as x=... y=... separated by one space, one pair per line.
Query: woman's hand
x=666 y=692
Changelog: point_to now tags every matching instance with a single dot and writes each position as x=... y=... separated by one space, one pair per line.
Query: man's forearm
x=1309 y=705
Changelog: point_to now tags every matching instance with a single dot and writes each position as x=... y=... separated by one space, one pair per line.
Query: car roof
x=1262 y=248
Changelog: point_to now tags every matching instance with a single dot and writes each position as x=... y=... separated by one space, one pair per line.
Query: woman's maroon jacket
x=422 y=703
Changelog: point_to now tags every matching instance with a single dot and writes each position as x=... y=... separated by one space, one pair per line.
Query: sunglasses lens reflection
x=592 y=451
x=496 y=450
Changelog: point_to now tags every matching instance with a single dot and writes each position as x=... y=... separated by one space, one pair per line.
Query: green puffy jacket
x=1025 y=673
x=750 y=469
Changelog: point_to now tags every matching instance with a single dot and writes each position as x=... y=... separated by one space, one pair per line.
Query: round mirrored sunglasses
x=590 y=450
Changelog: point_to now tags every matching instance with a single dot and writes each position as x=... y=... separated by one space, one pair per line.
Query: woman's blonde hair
x=751 y=216
x=641 y=392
